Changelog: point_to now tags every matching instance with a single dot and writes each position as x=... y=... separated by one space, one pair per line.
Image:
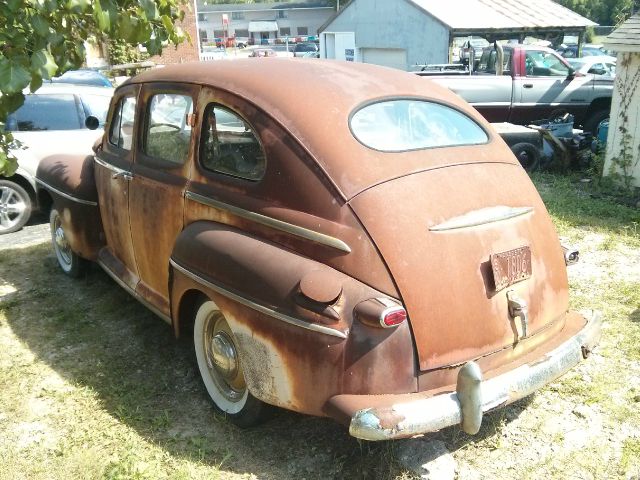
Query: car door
x=113 y=175
x=160 y=174
x=547 y=86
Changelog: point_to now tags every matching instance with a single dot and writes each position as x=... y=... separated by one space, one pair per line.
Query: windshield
x=402 y=125
x=97 y=105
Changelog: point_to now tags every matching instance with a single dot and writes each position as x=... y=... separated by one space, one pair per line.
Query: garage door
x=388 y=57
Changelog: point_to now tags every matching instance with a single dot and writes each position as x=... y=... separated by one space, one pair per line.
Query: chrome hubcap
x=12 y=208
x=61 y=244
x=222 y=358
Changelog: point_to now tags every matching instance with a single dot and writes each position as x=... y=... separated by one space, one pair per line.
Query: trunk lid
x=437 y=231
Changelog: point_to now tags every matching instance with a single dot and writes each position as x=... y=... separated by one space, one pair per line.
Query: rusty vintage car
x=358 y=244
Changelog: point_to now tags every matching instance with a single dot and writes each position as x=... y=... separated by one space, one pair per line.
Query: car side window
x=121 y=132
x=230 y=146
x=544 y=64
x=168 y=134
x=46 y=112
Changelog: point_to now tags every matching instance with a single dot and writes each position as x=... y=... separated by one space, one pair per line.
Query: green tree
x=604 y=12
x=43 y=38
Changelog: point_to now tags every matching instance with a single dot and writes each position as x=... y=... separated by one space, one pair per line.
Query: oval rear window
x=401 y=125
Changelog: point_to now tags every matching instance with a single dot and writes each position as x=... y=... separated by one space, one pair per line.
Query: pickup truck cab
x=530 y=83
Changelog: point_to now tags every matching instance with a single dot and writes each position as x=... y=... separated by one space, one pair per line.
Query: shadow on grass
x=569 y=200
x=635 y=316
x=98 y=338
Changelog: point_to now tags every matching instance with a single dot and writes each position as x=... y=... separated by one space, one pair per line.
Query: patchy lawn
x=92 y=385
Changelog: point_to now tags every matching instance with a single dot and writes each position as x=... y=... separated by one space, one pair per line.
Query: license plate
x=511 y=267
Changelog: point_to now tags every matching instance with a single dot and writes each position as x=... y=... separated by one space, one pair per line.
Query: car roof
x=83 y=77
x=592 y=59
x=53 y=88
x=316 y=108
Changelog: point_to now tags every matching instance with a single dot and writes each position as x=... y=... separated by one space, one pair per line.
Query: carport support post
x=581 y=37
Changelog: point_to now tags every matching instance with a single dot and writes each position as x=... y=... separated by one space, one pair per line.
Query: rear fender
x=297 y=352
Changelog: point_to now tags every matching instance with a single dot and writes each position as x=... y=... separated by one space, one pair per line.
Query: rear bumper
x=413 y=414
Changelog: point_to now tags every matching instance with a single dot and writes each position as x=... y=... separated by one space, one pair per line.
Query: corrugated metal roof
x=471 y=15
x=626 y=38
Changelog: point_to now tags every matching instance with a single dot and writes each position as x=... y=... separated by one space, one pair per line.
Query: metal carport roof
x=495 y=16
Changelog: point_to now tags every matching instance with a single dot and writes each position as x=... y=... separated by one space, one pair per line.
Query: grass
x=93 y=386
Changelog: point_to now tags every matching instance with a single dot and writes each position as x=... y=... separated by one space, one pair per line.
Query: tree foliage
x=604 y=12
x=43 y=38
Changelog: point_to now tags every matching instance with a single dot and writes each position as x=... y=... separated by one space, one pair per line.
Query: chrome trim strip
x=256 y=306
x=66 y=195
x=302 y=232
x=134 y=294
x=108 y=166
x=481 y=217
x=491 y=104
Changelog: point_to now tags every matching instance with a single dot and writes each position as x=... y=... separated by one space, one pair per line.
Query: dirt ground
x=92 y=385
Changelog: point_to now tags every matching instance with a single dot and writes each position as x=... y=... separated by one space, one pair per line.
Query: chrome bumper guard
x=474 y=397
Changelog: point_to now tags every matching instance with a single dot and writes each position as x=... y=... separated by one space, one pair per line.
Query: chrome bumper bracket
x=473 y=397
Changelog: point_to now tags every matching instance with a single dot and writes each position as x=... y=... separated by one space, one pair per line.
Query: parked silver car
x=604 y=65
x=52 y=120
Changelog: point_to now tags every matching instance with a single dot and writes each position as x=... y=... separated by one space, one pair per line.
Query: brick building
x=185 y=52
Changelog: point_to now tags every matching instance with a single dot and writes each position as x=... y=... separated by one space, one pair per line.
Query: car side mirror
x=572 y=74
x=91 y=122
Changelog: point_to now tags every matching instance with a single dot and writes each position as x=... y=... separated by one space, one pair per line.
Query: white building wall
x=309 y=18
x=624 y=125
x=397 y=25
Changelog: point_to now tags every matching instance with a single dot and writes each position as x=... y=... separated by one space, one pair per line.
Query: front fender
x=70 y=181
x=297 y=352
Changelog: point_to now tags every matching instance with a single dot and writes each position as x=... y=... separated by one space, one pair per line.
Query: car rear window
x=404 y=124
x=47 y=112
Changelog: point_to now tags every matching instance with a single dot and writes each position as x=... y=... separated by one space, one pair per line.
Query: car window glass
x=230 y=146
x=121 y=133
x=401 y=125
x=47 y=112
x=488 y=62
x=597 y=68
x=544 y=64
x=96 y=105
x=612 y=68
x=168 y=135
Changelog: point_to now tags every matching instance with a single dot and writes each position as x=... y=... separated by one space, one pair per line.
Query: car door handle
x=528 y=85
x=125 y=175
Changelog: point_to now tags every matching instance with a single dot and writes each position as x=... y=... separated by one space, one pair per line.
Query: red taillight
x=380 y=312
x=392 y=317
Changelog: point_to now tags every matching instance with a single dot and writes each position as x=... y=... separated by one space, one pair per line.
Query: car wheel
x=69 y=261
x=221 y=370
x=528 y=156
x=15 y=207
x=592 y=122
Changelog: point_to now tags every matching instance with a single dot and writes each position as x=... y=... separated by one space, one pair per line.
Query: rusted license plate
x=511 y=267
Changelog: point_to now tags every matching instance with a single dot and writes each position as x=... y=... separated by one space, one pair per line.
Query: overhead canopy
x=626 y=38
x=263 y=26
x=468 y=17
